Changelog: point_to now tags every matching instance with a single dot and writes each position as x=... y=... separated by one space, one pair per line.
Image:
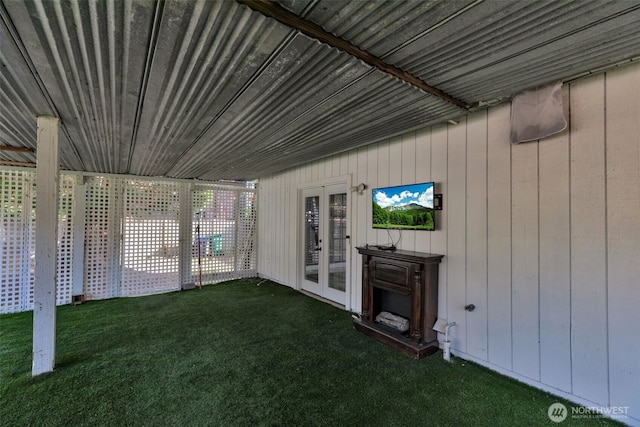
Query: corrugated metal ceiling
x=214 y=90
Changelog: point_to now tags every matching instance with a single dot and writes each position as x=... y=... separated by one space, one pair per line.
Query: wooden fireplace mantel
x=404 y=283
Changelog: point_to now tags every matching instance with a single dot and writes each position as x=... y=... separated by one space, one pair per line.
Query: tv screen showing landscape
x=407 y=207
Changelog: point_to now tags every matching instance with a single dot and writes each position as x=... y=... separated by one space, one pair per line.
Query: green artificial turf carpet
x=244 y=353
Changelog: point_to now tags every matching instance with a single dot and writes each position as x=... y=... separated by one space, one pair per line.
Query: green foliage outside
x=415 y=219
x=15 y=193
x=11 y=198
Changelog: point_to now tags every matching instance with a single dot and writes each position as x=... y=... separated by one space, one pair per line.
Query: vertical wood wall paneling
x=582 y=224
x=307 y=172
x=265 y=209
x=332 y=167
x=271 y=257
x=303 y=175
x=423 y=174
x=623 y=236
x=298 y=177
x=439 y=236
x=321 y=168
x=276 y=227
x=357 y=226
x=363 y=210
x=588 y=241
x=372 y=156
x=273 y=224
x=394 y=177
x=344 y=165
x=294 y=236
x=499 y=237
x=351 y=284
x=476 y=226
x=524 y=260
x=328 y=167
x=273 y=221
x=408 y=169
x=378 y=176
x=456 y=231
x=555 y=253
x=289 y=232
x=335 y=165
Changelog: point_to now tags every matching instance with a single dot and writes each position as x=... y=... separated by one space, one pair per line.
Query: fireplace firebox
x=400 y=299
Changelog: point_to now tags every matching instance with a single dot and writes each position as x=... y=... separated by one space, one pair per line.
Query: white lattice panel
x=16 y=240
x=66 y=201
x=17 y=231
x=101 y=238
x=132 y=236
x=151 y=238
x=213 y=234
x=246 y=229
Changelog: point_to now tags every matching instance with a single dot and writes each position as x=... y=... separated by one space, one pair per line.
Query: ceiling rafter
x=313 y=30
x=16 y=149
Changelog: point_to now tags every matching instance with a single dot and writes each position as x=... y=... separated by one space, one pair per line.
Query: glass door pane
x=324 y=242
x=337 y=241
x=311 y=238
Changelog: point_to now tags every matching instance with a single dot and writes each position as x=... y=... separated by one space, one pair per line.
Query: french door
x=325 y=242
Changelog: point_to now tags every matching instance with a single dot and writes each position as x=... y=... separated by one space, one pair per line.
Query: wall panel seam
x=606 y=238
x=570 y=245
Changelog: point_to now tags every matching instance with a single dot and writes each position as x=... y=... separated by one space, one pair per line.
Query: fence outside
x=140 y=236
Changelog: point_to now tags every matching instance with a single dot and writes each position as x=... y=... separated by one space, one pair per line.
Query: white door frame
x=304 y=284
x=341 y=180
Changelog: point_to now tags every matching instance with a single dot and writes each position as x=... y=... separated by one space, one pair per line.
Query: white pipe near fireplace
x=443 y=327
x=446 y=355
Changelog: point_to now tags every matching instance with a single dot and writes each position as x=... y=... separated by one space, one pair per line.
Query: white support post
x=44 y=292
x=78 y=241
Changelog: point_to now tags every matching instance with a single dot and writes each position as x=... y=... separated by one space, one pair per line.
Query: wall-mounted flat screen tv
x=405 y=207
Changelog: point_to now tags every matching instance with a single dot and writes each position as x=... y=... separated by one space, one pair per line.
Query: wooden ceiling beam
x=25 y=164
x=313 y=30
x=15 y=149
x=15 y=163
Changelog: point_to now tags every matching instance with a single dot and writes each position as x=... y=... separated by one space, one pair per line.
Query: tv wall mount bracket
x=437 y=202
